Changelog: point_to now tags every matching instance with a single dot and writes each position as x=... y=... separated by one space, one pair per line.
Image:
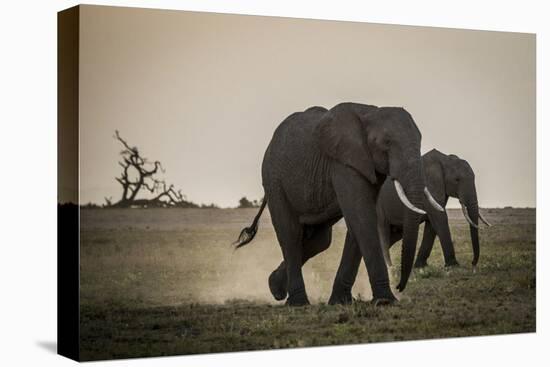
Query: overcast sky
x=203 y=92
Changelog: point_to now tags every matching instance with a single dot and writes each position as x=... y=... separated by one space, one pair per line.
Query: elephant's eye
x=387 y=142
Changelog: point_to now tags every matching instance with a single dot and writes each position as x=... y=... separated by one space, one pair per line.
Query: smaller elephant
x=446 y=176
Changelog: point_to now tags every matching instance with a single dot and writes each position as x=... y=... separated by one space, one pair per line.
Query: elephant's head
x=383 y=142
x=459 y=182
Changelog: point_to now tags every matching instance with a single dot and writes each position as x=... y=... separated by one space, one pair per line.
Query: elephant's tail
x=248 y=233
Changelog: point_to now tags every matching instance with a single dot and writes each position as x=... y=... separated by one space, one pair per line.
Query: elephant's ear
x=342 y=137
x=434 y=169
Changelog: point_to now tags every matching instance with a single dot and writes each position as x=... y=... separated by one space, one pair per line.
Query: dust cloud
x=175 y=256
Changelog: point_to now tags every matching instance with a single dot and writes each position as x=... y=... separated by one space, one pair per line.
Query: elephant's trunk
x=415 y=193
x=469 y=200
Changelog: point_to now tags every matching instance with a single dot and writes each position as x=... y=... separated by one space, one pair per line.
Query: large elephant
x=324 y=164
x=446 y=176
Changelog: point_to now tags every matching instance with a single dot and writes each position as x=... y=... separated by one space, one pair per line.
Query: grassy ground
x=166 y=281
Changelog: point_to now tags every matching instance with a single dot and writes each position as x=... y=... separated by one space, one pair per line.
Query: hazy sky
x=203 y=93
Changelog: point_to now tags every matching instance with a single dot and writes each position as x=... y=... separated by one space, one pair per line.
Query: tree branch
x=166 y=195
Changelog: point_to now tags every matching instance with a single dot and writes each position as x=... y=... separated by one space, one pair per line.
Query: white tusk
x=484 y=220
x=432 y=201
x=404 y=199
x=465 y=212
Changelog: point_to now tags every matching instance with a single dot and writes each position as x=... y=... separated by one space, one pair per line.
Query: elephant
x=446 y=176
x=322 y=165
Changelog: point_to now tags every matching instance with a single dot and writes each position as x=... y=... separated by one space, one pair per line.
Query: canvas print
x=237 y=183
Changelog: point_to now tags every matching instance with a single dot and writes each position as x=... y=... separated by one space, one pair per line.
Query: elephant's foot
x=383 y=297
x=384 y=301
x=297 y=299
x=277 y=284
x=340 y=297
x=420 y=263
x=451 y=262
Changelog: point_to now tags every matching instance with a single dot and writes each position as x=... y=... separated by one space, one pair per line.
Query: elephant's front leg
x=349 y=266
x=440 y=224
x=357 y=199
x=428 y=239
x=384 y=234
x=347 y=272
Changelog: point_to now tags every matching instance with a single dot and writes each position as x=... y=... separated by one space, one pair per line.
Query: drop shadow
x=50 y=346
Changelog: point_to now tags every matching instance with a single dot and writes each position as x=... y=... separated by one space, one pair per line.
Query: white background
x=28 y=182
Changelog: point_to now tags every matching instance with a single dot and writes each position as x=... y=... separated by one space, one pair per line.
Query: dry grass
x=166 y=281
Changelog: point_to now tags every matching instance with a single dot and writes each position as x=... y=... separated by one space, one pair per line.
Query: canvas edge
x=68 y=244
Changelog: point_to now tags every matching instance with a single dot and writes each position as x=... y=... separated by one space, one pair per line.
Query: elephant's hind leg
x=278 y=281
x=316 y=239
x=289 y=233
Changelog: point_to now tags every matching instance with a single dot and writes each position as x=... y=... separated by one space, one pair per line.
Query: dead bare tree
x=139 y=175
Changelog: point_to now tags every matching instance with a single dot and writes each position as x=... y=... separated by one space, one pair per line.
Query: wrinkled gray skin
x=446 y=176
x=324 y=164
